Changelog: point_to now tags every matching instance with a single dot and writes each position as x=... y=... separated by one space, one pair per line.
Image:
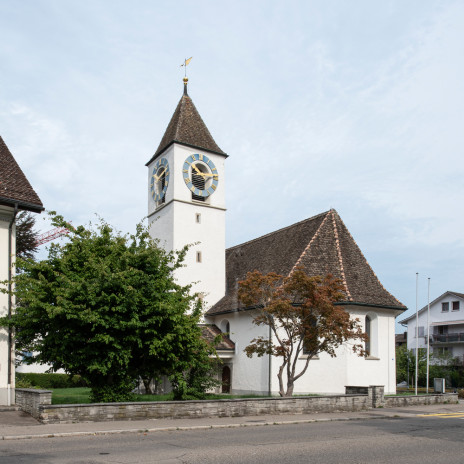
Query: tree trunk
x=290 y=386
x=146 y=383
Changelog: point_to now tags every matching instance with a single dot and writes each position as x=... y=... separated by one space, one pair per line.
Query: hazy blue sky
x=356 y=106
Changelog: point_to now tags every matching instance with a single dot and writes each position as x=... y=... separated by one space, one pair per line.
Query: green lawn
x=81 y=396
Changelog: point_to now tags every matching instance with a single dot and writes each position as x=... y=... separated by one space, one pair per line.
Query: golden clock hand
x=157 y=178
x=196 y=169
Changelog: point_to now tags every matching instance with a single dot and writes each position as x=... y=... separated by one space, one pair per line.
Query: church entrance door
x=226 y=379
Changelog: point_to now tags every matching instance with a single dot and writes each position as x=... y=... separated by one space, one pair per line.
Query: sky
x=356 y=106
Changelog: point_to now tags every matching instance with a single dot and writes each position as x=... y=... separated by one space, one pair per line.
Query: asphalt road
x=434 y=439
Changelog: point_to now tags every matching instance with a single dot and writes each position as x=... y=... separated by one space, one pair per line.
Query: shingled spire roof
x=187 y=128
x=14 y=186
x=321 y=245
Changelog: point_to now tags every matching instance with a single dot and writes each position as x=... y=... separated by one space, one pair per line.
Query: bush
x=461 y=393
x=48 y=381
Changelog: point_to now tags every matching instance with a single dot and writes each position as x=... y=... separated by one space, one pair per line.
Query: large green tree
x=303 y=317
x=107 y=307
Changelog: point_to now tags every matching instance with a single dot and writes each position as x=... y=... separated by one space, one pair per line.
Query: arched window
x=371 y=329
x=225 y=327
x=368 y=333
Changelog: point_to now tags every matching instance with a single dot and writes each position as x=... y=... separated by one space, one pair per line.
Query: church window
x=198 y=218
x=368 y=333
x=198 y=256
x=160 y=185
x=198 y=181
x=371 y=329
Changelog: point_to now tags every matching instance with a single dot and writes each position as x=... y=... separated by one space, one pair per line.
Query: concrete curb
x=184 y=428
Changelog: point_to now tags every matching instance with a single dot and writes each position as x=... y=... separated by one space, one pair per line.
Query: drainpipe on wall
x=10 y=300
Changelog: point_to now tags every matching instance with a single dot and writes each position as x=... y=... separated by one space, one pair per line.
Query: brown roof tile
x=321 y=245
x=210 y=331
x=14 y=186
x=187 y=128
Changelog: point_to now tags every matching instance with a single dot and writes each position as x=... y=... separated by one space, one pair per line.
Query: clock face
x=200 y=175
x=160 y=179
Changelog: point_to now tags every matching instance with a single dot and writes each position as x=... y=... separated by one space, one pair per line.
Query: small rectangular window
x=455 y=305
x=198 y=256
x=198 y=218
x=420 y=331
x=445 y=307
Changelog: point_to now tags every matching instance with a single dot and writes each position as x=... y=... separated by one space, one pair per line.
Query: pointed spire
x=187 y=128
x=186 y=79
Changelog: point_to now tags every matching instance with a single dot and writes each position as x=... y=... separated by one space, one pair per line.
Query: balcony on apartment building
x=447 y=332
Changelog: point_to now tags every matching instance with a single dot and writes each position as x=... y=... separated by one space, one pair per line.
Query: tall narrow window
x=368 y=333
x=198 y=256
x=198 y=218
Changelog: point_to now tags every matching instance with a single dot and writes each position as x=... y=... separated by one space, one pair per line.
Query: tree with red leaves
x=303 y=318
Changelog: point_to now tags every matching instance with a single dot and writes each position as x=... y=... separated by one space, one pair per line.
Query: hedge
x=49 y=381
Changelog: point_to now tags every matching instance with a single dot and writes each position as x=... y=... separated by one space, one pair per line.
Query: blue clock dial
x=200 y=175
x=160 y=179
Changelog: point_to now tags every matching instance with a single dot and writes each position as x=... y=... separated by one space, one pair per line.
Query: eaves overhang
x=196 y=147
x=400 y=309
x=21 y=205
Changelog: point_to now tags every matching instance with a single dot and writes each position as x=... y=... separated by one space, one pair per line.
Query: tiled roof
x=14 y=186
x=187 y=128
x=321 y=245
x=210 y=331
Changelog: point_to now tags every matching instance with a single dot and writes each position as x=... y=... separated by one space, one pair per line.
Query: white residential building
x=16 y=194
x=446 y=325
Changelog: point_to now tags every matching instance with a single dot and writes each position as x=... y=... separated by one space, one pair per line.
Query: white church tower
x=186 y=199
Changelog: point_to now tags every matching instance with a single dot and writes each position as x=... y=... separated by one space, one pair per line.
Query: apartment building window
x=445 y=307
x=455 y=305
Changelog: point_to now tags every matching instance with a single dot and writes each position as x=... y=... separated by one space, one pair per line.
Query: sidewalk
x=16 y=425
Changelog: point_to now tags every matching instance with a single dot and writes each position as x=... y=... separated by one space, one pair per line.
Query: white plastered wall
x=324 y=375
x=6 y=214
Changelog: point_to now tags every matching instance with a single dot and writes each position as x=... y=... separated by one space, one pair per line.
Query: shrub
x=48 y=381
x=461 y=393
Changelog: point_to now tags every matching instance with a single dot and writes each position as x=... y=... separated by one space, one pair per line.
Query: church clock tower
x=186 y=199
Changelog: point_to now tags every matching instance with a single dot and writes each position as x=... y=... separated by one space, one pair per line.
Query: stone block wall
x=195 y=409
x=413 y=400
x=31 y=400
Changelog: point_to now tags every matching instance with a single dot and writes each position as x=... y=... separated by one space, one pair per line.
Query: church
x=186 y=205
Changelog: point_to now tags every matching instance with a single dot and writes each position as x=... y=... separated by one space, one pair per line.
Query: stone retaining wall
x=38 y=404
x=30 y=400
x=412 y=400
x=52 y=414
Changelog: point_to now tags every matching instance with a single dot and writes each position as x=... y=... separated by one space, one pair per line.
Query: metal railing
x=447 y=338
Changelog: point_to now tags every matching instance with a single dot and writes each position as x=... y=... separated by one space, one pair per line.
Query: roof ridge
x=340 y=257
x=278 y=230
x=298 y=261
x=362 y=254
